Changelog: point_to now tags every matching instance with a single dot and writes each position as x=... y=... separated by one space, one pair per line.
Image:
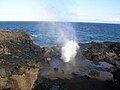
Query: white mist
x=67 y=38
x=69 y=50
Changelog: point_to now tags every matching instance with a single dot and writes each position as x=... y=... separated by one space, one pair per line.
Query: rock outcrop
x=107 y=51
x=19 y=76
x=16 y=46
x=21 y=63
x=25 y=81
x=15 y=72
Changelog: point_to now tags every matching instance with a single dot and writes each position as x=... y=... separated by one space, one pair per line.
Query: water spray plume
x=69 y=46
x=69 y=50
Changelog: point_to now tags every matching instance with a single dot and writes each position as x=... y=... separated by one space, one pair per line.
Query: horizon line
x=102 y=22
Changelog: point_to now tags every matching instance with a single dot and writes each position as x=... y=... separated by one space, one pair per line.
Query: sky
x=60 y=10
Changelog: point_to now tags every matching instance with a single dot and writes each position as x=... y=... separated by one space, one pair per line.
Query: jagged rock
x=50 y=53
x=94 y=73
x=1 y=49
x=102 y=51
x=96 y=52
x=25 y=81
x=24 y=73
x=115 y=47
x=2 y=72
x=19 y=76
x=111 y=55
x=17 y=45
x=4 y=83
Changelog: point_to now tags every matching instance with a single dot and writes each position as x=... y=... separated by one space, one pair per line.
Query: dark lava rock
x=21 y=59
x=108 y=51
x=16 y=45
x=96 y=52
x=115 y=47
x=116 y=75
x=73 y=84
x=15 y=72
x=94 y=73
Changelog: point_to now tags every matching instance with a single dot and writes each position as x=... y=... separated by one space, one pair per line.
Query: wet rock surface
x=26 y=66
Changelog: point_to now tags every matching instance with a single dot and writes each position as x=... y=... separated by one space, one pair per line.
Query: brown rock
x=25 y=81
x=111 y=56
x=3 y=83
x=1 y=49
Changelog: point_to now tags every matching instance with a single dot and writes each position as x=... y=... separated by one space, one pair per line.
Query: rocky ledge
x=20 y=60
x=21 y=64
x=18 y=70
x=105 y=51
x=18 y=76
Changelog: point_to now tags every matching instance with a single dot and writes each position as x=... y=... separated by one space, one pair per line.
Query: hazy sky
x=60 y=10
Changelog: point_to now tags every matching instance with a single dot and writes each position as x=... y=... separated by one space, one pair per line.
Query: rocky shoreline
x=22 y=65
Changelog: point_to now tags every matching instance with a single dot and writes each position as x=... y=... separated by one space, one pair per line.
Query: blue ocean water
x=44 y=33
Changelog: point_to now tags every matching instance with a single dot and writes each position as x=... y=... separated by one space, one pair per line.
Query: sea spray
x=69 y=50
x=67 y=38
x=61 y=34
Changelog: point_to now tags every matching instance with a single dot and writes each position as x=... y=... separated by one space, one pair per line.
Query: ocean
x=44 y=33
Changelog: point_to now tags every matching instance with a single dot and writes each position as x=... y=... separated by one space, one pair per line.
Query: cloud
x=116 y=19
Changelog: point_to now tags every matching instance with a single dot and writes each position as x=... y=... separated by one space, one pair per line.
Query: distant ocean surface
x=44 y=35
